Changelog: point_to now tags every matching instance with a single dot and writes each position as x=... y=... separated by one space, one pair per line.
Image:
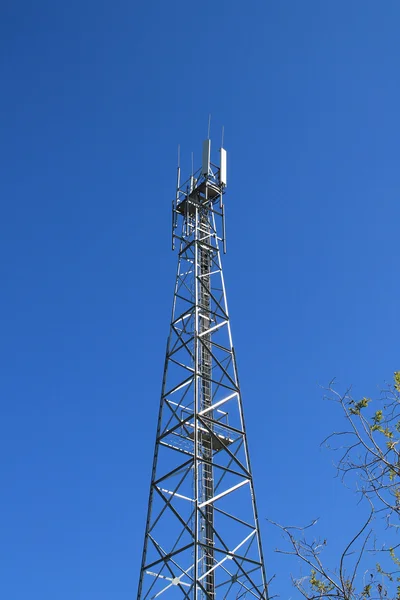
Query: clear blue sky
x=95 y=97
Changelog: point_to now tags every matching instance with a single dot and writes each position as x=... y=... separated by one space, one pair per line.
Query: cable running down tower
x=202 y=538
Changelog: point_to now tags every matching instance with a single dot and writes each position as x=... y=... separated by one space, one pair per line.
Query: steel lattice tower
x=202 y=538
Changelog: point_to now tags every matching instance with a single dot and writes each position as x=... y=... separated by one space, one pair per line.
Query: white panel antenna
x=205 y=168
x=222 y=171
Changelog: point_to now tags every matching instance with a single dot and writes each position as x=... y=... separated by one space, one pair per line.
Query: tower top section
x=204 y=188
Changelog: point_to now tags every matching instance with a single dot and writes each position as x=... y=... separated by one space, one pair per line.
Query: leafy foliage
x=372 y=448
x=369 y=457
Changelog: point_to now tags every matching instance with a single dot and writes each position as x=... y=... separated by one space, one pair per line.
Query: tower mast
x=202 y=538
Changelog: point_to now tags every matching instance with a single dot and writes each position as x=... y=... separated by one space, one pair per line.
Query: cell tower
x=202 y=538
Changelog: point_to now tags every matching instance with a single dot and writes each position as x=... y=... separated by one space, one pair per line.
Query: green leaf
x=397 y=380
